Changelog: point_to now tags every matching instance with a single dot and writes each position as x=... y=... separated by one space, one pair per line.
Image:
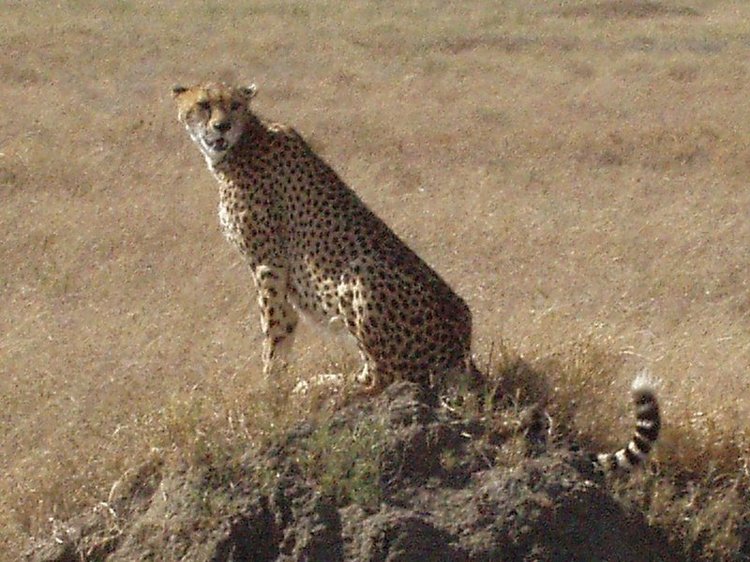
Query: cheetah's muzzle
x=219 y=144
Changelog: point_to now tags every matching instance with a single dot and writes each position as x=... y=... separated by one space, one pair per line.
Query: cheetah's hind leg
x=364 y=381
x=369 y=379
x=331 y=381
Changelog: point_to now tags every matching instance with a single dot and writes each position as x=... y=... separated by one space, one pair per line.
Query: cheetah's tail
x=647 y=426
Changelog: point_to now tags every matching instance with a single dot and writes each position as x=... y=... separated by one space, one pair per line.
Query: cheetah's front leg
x=278 y=318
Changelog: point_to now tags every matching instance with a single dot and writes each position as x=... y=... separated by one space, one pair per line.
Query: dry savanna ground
x=577 y=170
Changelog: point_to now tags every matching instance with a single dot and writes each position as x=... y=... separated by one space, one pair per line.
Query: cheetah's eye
x=204 y=105
x=235 y=106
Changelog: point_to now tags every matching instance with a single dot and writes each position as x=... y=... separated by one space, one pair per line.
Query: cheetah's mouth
x=218 y=145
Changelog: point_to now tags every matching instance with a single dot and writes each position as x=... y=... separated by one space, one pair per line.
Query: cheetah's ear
x=177 y=90
x=249 y=91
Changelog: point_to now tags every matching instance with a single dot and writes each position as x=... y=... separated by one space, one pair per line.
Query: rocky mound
x=394 y=479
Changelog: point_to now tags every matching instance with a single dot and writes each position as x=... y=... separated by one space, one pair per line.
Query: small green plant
x=346 y=462
x=448 y=460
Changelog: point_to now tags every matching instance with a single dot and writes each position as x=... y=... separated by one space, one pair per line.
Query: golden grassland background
x=577 y=170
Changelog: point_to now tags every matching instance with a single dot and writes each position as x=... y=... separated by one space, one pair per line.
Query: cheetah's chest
x=231 y=225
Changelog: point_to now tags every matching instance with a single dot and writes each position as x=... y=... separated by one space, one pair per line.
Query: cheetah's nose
x=222 y=126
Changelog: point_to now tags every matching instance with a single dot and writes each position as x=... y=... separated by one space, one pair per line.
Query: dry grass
x=577 y=172
x=697 y=485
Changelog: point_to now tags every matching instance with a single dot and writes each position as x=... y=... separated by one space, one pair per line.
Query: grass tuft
x=346 y=462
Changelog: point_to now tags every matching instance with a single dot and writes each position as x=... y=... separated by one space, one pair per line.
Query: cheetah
x=315 y=249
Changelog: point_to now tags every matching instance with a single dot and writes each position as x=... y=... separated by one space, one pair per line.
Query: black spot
x=650 y=433
x=643 y=445
x=633 y=459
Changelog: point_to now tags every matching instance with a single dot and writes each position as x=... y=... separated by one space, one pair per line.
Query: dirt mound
x=393 y=479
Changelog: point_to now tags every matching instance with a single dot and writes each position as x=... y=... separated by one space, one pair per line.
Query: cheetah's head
x=214 y=114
